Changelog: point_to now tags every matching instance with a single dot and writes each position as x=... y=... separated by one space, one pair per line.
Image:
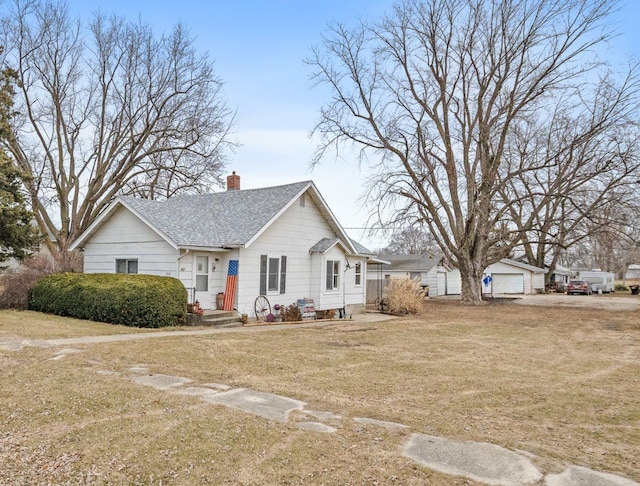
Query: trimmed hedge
x=130 y=299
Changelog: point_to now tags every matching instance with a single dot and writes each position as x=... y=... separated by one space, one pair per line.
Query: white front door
x=202 y=274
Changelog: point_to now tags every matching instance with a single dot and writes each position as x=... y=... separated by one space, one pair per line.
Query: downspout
x=343 y=311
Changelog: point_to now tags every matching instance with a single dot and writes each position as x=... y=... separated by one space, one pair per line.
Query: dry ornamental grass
x=560 y=383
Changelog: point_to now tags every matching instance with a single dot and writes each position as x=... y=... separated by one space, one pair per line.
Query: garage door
x=441 y=284
x=508 y=283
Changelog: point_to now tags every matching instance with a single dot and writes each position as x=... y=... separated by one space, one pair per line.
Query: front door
x=203 y=281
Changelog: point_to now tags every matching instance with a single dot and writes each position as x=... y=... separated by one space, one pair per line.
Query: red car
x=578 y=287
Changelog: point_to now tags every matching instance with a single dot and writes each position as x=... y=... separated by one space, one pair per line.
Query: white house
x=282 y=242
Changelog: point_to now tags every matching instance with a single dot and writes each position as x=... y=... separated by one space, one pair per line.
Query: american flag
x=230 y=291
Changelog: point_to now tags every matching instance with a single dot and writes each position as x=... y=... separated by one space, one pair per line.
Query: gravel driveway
x=603 y=301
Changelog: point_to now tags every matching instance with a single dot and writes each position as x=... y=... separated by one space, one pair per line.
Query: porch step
x=215 y=318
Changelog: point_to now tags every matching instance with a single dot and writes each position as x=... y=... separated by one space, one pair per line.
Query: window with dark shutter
x=263 y=274
x=273 y=274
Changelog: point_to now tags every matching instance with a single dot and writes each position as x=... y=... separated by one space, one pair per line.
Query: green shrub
x=621 y=288
x=131 y=300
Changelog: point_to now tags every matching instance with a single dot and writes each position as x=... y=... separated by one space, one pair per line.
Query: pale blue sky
x=258 y=47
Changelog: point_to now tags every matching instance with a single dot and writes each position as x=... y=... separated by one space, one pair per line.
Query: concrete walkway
x=483 y=462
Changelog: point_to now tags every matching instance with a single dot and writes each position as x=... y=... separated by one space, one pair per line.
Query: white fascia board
x=217 y=249
x=524 y=266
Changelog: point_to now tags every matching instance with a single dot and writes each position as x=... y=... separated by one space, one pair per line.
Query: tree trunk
x=471 y=282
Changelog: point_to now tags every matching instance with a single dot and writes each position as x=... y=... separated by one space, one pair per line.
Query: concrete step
x=214 y=318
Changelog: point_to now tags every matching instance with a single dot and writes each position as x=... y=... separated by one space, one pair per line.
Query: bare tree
x=612 y=246
x=436 y=91
x=411 y=240
x=588 y=152
x=108 y=109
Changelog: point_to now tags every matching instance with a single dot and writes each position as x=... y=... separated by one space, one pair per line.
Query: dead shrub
x=291 y=313
x=403 y=296
x=15 y=283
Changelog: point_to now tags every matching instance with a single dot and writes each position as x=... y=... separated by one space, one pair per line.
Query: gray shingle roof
x=323 y=245
x=220 y=219
x=411 y=263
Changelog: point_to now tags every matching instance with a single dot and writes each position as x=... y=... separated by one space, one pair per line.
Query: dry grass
x=559 y=383
x=34 y=325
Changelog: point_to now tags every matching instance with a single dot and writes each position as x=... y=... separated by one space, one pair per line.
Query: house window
x=273 y=274
x=359 y=273
x=202 y=274
x=126 y=266
x=333 y=274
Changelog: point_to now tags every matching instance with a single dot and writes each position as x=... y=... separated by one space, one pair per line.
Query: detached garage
x=503 y=278
x=512 y=277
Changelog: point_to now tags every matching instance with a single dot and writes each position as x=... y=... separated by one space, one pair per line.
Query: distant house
x=281 y=242
x=504 y=277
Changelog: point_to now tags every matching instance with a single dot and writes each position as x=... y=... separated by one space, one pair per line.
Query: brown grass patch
x=559 y=383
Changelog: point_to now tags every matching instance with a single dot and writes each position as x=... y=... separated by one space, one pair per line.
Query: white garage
x=504 y=277
x=512 y=277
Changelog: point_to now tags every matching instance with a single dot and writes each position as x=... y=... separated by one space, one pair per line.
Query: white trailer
x=601 y=282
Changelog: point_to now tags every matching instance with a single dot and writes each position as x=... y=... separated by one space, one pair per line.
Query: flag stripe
x=230 y=290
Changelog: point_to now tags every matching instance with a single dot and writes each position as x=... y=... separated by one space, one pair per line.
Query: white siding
x=537 y=283
x=123 y=235
x=293 y=234
x=454 y=283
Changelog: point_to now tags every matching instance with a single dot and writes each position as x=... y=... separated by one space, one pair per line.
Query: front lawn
x=559 y=383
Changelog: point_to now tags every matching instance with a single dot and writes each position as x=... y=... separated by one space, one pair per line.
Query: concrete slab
x=161 y=382
x=317 y=427
x=380 y=423
x=8 y=343
x=479 y=461
x=273 y=407
x=581 y=476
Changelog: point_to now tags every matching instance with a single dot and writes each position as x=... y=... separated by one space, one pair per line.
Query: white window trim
x=335 y=276
x=126 y=264
x=276 y=290
x=357 y=274
x=282 y=272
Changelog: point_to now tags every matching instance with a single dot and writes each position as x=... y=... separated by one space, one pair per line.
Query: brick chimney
x=233 y=182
